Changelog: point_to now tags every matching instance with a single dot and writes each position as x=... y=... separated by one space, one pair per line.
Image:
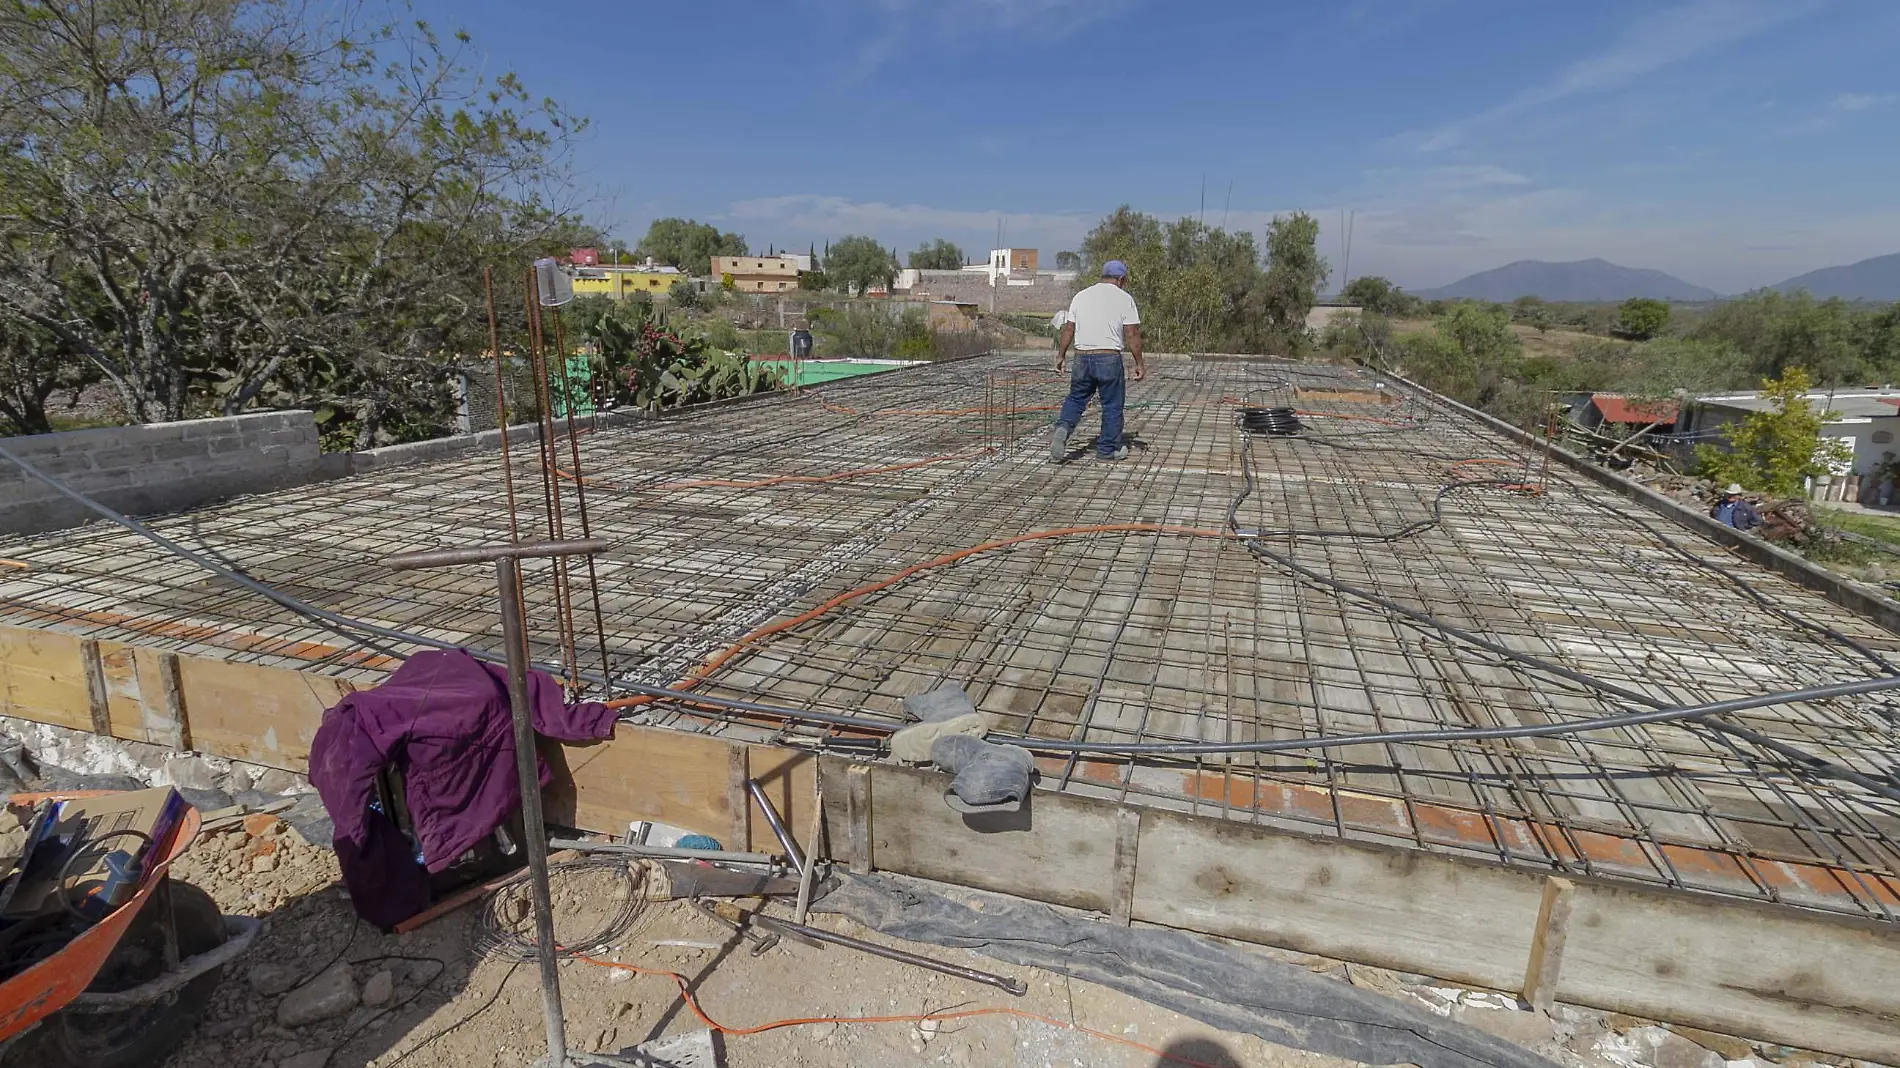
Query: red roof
x=1617 y=409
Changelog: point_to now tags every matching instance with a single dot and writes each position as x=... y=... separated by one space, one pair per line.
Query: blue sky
x=1731 y=142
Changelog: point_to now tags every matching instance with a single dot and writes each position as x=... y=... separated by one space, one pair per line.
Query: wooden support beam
x=858 y=836
x=1127 y=843
x=98 y=708
x=738 y=801
x=1547 y=944
x=178 y=725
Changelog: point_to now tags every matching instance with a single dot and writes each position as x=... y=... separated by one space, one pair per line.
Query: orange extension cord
x=718 y=660
x=692 y=1002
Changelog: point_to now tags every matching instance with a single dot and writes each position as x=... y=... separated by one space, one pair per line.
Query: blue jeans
x=1096 y=373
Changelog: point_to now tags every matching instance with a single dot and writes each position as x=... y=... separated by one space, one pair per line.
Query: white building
x=1865 y=420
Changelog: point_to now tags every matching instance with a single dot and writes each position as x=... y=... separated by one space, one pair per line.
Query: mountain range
x=1597 y=281
x=1875 y=279
x=1582 y=280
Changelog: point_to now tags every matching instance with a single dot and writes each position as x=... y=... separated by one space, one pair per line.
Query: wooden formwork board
x=1800 y=978
x=1781 y=974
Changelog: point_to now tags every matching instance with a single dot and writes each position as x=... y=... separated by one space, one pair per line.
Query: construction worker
x=1735 y=512
x=1103 y=322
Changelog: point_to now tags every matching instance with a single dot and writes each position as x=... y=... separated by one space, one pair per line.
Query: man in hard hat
x=1735 y=512
x=1103 y=323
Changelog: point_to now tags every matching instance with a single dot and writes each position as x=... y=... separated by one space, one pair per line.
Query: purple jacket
x=442 y=722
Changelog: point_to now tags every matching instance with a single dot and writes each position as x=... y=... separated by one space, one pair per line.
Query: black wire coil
x=1278 y=422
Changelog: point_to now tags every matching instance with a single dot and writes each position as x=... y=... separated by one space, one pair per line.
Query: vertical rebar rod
x=550 y=491
x=580 y=497
x=501 y=404
x=514 y=630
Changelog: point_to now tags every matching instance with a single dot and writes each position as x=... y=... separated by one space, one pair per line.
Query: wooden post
x=96 y=697
x=1127 y=838
x=174 y=702
x=1547 y=944
x=737 y=772
x=857 y=819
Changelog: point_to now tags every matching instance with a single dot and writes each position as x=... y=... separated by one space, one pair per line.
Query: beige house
x=757 y=274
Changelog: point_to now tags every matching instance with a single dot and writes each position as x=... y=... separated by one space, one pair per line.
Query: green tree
x=1642 y=318
x=858 y=263
x=683 y=294
x=1068 y=261
x=1471 y=356
x=227 y=203
x=1193 y=282
x=938 y=255
x=1295 y=273
x=1776 y=451
x=688 y=245
x=813 y=281
x=1377 y=295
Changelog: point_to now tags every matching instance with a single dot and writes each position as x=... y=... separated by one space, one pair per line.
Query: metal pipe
x=481 y=554
x=778 y=826
x=666 y=852
x=1014 y=986
x=527 y=766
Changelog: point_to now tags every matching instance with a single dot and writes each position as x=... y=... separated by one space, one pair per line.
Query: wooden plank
x=643 y=773
x=96 y=707
x=855 y=817
x=177 y=723
x=135 y=694
x=1767 y=972
x=1547 y=944
x=42 y=678
x=1127 y=844
x=1736 y=967
x=264 y=715
x=1392 y=908
x=1060 y=849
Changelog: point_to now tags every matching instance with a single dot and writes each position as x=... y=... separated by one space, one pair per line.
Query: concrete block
x=178 y=450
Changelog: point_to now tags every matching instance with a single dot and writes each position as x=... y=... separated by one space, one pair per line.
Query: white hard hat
x=1734 y=488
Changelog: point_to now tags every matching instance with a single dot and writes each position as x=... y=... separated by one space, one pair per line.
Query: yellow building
x=619 y=282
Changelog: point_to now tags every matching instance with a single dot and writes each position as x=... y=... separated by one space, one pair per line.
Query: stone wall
x=155 y=467
x=1044 y=297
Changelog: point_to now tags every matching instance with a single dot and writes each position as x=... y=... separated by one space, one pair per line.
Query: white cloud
x=1860 y=101
x=808 y=216
x=1652 y=43
x=894 y=23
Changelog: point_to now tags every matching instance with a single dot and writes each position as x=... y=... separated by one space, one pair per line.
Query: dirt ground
x=449 y=1005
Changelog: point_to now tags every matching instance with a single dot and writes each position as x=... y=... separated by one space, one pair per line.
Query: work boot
x=1118 y=454
x=1059 y=443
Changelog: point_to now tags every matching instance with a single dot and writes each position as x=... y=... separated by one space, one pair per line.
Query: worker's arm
x=1063 y=340
x=1131 y=340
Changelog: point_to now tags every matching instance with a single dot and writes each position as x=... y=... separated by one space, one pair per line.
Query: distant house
x=1617 y=410
x=758 y=274
x=620 y=281
x=1865 y=420
x=1320 y=316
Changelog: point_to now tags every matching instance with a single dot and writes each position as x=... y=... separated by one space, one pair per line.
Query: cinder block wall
x=155 y=468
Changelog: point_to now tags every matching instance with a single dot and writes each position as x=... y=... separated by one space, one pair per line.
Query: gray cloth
x=947 y=701
x=988 y=775
x=1219 y=984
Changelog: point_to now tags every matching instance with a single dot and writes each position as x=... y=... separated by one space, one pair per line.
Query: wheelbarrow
x=133 y=985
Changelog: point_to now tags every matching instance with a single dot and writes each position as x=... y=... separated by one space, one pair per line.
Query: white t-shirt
x=1059 y=320
x=1099 y=313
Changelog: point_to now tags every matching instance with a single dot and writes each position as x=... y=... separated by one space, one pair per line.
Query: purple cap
x=1114 y=269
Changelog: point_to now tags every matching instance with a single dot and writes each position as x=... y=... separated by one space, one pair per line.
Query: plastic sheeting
x=1211 y=981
